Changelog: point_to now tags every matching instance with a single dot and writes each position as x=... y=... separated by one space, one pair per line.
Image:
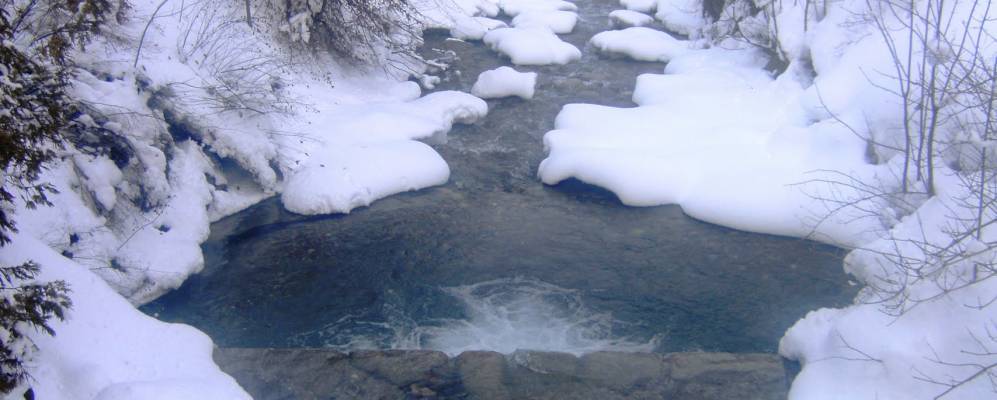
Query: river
x=496 y=260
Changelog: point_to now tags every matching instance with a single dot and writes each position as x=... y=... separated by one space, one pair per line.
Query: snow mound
x=513 y=8
x=643 y=6
x=726 y=143
x=503 y=82
x=628 y=18
x=108 y=350
x=474 y=28
x=531 y=46
x=876 y=352
x=681 y=16
x=367 y=152
x=559 y=22
x=641 y=44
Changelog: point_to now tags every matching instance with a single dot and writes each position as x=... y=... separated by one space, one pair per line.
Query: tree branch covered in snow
x=936 y=191
x=361 y=30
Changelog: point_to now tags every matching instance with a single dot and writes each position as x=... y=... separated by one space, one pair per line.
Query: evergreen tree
x=36 y=37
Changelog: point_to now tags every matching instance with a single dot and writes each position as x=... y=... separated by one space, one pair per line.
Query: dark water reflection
x=494 y=258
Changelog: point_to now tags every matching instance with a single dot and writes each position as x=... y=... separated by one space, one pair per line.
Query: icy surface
x=531 y=46
x=504 y=82
x=628 y=18
x=641 y=44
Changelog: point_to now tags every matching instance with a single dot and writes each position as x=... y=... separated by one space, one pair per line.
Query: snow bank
x=531 y=46
x=366 y=152
x=628 y=18
x=888 y=356
x=715 y=135
x=504 y=82
x=559 y=22
x=641 y=44
x=194 y=153
x=106 y=349
x=187 y=152
x=681 y=16
x=791 y=155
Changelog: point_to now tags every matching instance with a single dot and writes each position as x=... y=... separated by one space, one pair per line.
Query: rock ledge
x=422 y=374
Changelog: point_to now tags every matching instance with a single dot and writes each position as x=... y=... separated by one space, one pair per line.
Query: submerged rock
x=423 y=374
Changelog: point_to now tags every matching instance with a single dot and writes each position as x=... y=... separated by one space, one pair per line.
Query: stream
x=496 y=260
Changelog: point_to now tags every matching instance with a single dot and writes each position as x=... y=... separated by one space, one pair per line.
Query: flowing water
x=496 y=260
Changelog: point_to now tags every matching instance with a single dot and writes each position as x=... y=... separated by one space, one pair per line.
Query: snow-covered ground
x=716 y=133
x=108 y=350
x=208 y=118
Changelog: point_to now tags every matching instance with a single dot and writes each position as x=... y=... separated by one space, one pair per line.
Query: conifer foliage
x=35 y=112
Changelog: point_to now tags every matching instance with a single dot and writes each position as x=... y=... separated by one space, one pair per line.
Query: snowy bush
x=361 y=30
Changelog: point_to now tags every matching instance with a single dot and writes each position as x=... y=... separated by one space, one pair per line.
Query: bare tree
x=943 y=71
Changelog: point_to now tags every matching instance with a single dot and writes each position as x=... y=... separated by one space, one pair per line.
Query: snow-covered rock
x=559 y=22
x=513 y=8
x=716 y=135
x=640 y=43
x=531 y=46
x=474 y=28
x=629 y=19
x=367 y=152
x=504 y=82
x=681 y=16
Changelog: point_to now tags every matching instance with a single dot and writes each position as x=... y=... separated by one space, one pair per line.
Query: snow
x=680 y=16
x=640 y=43
x=466 y=19
x=108 y=350
x=513 y=8
x=643 y=6
x=531 y=46
x=324 y=136
x=736 y=145
x=475 y=28
x=716 y=135
x=141 y=223
x=881 y=352
x=504 y=82
x=559 y=22
x=368 y=152
x=628 y=18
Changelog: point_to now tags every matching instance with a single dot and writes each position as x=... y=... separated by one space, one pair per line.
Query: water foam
x=502 y=315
